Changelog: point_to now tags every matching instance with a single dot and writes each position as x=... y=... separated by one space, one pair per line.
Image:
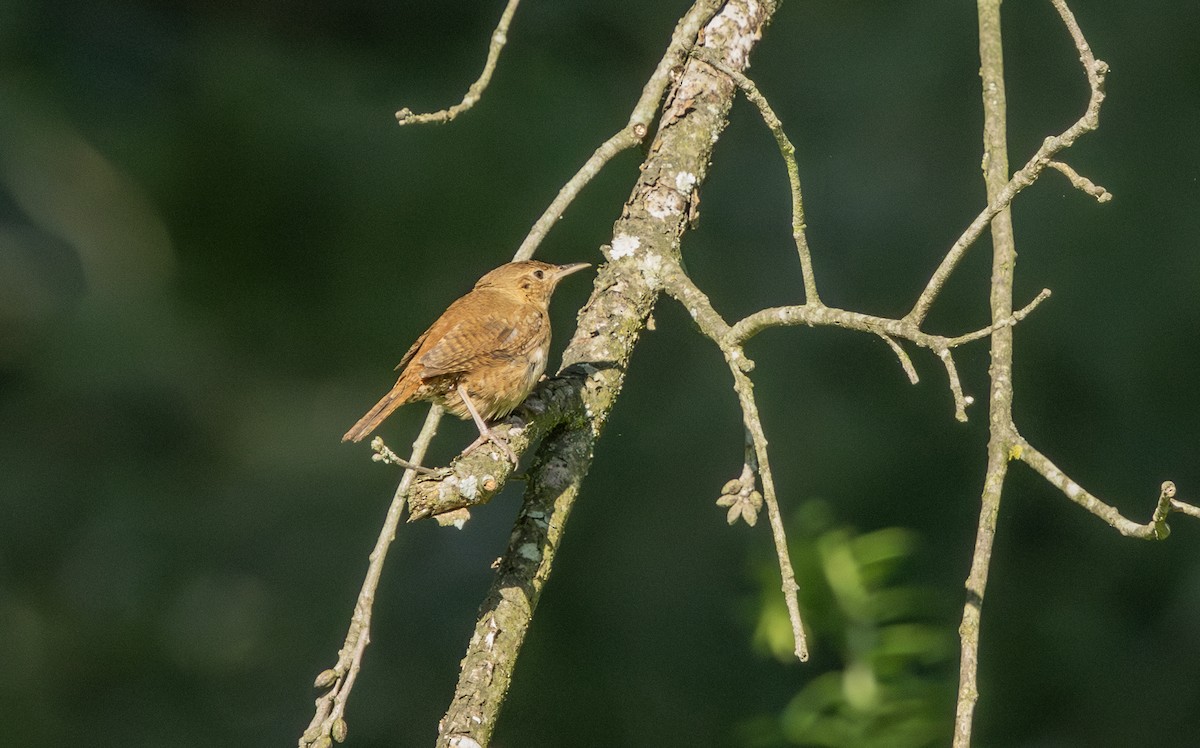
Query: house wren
x=484 y=354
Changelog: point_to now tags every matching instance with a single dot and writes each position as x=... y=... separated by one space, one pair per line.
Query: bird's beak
x=565 y=270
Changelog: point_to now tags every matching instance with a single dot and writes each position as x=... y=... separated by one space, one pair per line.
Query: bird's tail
x=398 y=396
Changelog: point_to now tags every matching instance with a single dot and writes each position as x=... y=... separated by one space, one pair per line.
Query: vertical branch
x=1001 y=428
x=745 y=392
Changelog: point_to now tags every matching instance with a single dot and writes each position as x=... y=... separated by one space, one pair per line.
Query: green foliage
x=888 y=655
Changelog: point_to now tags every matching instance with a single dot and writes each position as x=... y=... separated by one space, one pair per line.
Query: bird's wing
x=499 y=333
x=412 y=350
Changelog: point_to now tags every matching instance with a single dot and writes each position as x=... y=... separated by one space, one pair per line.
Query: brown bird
x=483 y=355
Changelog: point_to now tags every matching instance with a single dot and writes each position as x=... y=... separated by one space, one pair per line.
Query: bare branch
x=788 y=151
x=499 y=37
x=634 y=132
x=1000 y=400
x=1190 y=510
x=1081 y=182
x=826 y=316
x=1000 y=198
x=329 y=721
x=681 y=287
x=1155 y=529
x=905 y=362
x=384 y=454
x=1013 y=319
x=961 y=401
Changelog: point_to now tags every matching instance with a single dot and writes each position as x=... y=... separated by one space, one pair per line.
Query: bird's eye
x=538 y=274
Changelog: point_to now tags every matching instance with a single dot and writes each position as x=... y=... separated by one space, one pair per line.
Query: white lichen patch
x=685 y=181
x=529 y=551
x=664 y=202
x=624 y=245
x=469 y=487
x=652 y=266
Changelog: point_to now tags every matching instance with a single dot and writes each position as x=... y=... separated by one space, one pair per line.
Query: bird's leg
x=485 y=432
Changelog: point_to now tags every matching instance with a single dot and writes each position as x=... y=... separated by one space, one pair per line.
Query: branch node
x=961 y=401
x=905 y=362
x=1081 y=182
x=385 y=455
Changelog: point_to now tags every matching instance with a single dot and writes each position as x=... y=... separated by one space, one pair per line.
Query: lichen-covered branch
x=475 y=477
x=645 y=239
x=499 y=38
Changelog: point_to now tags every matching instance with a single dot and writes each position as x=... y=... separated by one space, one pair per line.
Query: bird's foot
x=491 y=436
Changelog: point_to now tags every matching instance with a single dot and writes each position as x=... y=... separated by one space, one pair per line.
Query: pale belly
x=496 y=390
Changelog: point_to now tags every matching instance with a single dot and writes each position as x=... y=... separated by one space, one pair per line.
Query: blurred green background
x=215 y=243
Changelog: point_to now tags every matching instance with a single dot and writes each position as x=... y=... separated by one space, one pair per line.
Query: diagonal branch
x=634 y=132
x=1001 y=194
x=1155 y=529
x=329 y=720
x=651 y=227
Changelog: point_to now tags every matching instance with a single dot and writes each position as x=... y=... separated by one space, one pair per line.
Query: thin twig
x=961 y=401
x=714 y=327
x=499 y=37
x=788 y=151
x=887 y=328
x=384 y=454
x=828 y=316
x=905 y=362
x=1155 y=529
x=753 y=422
x=1182 y=507
x=1016 y=317
x=634 y=131
x=329 y=721
x=1081 y=182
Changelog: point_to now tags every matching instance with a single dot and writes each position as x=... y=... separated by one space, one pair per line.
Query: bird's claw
x=502 y=445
